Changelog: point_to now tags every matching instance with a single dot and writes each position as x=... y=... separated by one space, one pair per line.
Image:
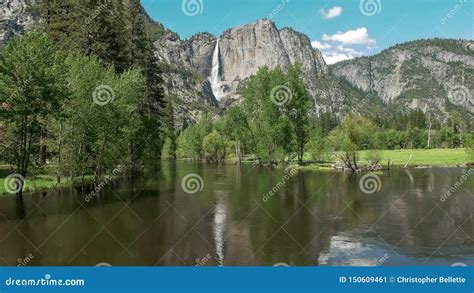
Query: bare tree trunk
x=238 y=152
x=429 y=134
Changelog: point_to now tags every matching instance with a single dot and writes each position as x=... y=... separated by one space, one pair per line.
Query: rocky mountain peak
x=423 y=74
x=242 y=51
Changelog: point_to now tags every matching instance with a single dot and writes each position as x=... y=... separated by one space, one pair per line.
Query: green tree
x=317 y=145
x=298 y=108
x=353 y=135
x=190 y=141
x=270 y=127
x=32 y=90
x=235 y=127
x=101 y=117
x=214 y=147
x=169 y=147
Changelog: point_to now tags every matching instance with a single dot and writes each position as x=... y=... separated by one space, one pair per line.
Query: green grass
x=434 y=157
x=43 y=182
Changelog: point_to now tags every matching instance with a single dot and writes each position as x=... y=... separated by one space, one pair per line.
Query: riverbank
x=397 y=158
x=401 y=158
x=44 y=182
x=416 y=158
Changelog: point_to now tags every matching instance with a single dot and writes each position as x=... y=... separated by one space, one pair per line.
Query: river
x=231 y=218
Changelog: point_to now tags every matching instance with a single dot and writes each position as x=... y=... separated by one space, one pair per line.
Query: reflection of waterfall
x=215 y=78
x=220 y=217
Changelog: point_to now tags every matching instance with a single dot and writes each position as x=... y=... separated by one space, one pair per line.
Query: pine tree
x=63 y=22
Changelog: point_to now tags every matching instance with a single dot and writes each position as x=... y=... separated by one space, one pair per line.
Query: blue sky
x=341 y=29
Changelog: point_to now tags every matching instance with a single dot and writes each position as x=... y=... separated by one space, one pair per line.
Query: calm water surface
x=314 y=218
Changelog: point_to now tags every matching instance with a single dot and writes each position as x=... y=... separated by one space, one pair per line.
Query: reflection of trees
x=418 y=222
x=334 y=209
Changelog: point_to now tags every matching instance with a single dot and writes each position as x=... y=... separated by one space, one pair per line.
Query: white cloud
x=331 y=13
x=333 y=53
x=336 y=58
x=358 y=36
x=320 y=46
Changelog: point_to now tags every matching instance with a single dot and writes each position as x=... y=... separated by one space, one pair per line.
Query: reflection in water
x=316 y=218
x=219 y=224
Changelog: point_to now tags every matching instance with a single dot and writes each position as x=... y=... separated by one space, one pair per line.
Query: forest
x=81 y=95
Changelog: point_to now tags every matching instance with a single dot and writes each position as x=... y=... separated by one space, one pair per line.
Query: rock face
x=423 y=74
x=243 y=50
x=15 y=18
x=432 y=75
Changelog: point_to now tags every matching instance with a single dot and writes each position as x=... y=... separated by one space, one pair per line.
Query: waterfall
x=215 y=78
